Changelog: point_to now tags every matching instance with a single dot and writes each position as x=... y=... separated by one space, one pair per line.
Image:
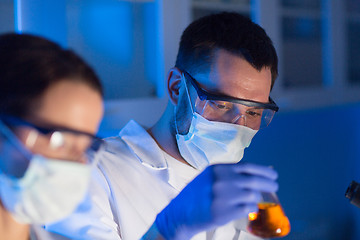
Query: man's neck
x=164 y=136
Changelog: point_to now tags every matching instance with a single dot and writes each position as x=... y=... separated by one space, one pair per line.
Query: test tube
x=270 y=221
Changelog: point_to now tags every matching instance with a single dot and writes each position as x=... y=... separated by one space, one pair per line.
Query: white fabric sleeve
x=93 y=219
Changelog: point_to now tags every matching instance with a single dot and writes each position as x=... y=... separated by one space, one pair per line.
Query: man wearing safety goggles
x=181 y=178
x=222 y=125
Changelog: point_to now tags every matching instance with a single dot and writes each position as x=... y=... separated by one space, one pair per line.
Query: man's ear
x=173 y=84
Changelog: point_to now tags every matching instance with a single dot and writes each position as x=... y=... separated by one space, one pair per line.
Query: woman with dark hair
x=50 y=109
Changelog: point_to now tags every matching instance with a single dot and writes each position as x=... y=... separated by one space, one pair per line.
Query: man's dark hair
x=29 y=65
x=229 y=31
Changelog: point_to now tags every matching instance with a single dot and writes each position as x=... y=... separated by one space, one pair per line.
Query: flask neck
x=270 y=197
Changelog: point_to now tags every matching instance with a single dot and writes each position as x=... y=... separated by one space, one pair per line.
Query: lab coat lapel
x=145 y=149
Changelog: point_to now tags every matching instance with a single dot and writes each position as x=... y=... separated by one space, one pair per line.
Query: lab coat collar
x=143 y=145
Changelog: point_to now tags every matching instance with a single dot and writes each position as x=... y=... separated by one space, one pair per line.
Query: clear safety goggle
x=54 y=142
x=222 y=108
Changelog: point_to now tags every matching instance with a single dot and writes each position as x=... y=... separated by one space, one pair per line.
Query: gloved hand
x=220 y=194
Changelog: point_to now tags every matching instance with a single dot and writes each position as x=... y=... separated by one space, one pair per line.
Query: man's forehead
x=231 y=75
x=222 y=63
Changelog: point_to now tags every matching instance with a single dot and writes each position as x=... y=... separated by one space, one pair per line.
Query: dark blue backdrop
x=316 y=153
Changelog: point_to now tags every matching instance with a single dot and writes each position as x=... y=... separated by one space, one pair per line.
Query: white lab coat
x=130 y=187
x=38 y=233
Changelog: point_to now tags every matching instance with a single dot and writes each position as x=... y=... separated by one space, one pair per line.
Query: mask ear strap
x=188 y=97
x=176 y=127
x=187 y=93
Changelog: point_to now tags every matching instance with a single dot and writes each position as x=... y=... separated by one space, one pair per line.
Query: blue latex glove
x=220 y=194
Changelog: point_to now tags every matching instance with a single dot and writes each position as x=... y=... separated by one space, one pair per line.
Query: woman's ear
x=173 y=84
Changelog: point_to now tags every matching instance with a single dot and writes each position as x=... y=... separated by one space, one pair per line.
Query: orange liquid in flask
x=269 y=222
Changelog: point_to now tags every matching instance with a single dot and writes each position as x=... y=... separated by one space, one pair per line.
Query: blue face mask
x=211 y=142
x=48 y=189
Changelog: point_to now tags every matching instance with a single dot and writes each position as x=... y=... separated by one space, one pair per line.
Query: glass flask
x=270 y=221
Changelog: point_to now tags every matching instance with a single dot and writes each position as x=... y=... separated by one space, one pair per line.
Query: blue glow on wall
x=316 y=153
x=42 y=17
x=108 y=29
x=154 y=69
x=17 y=15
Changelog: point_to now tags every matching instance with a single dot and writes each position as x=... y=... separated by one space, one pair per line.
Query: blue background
x=316 y=152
